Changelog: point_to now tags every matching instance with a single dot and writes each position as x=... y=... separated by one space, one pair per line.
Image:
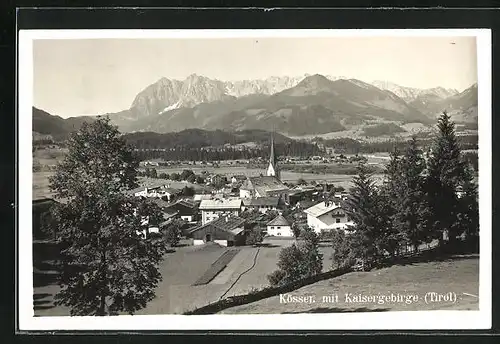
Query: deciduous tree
x=107 y=267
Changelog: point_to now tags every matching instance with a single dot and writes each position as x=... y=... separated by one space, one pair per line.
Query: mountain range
x=304 y=105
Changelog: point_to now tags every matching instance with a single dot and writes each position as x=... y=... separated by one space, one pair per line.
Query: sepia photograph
x=299 y=179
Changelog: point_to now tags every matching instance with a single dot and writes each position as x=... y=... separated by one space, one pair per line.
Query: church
x=269 y=185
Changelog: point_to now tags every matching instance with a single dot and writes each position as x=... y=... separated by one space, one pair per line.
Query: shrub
x=172 y=232
x=276 y=277
x=254 y=236
x=301 y=260
x=344 y=248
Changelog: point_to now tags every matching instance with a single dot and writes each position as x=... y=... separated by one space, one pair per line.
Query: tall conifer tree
x=445 y=173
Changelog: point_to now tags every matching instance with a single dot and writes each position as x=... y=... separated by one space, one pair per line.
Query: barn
x=225 y=230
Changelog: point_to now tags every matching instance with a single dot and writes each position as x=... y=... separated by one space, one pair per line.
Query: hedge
x=264 y=293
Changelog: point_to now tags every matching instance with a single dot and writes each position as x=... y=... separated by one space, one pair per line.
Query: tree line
x=293 y=148
x=352 y=146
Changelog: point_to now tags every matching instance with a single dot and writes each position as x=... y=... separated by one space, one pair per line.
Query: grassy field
x=177 y=293
x=249 y=268
x=459 y=275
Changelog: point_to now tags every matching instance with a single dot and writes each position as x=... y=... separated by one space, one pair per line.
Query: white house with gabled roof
x=279 y=226
x=327 y=215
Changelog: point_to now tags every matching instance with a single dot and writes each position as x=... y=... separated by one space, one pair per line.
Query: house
x=279 y=226
x=228 y=230
x=261 y=204
x=164 y=192
x=264 y=186
x=239 y=178
x=213 y=208
x=152 y=228
x=200 y=197
x=327 y=215
x=184 y=209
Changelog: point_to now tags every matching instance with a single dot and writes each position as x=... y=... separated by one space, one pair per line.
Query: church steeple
x=272 y=170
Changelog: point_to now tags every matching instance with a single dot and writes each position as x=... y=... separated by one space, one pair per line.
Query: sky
x=74 y=77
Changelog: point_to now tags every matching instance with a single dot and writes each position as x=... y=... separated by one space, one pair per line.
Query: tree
x=191 y=178
x=187 y=191
x=175 y=176
x=345 y=248
x=107 y=267
x=469 y=206
x=296 y=230
x=172 y=232
x=445 y=173
x=254 y=235
x=219 y=182
x=301 y=181
x=411 y=211
x=153 y=173
x=163 y=175
x=370 y=215
x=185 y=174
x=200 y=180
x=298 y=261
x=310 y=247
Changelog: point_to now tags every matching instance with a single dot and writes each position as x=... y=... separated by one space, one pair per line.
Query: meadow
x=458 y=275
x=182 y=268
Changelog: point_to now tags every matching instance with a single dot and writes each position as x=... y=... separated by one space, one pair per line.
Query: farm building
x=301 y=193
x=213 y=208
x=327 y=215
x=261 y=204
x=226 y=230
x=264 y=186
x=279 y=226
x=186 y=210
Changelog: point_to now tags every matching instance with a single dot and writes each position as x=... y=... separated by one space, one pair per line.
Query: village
x=216 y=216
x=231 y=233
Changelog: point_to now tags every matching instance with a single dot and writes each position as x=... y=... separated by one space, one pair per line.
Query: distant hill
x=198 y=138
x=383 y=129
x=57 y=127
x=462 y=107
x=316 y=105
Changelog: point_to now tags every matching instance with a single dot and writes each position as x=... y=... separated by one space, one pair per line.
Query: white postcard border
x=418 y=320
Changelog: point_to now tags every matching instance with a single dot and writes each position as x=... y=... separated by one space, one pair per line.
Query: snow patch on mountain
x=171 y=107
x=409 y=94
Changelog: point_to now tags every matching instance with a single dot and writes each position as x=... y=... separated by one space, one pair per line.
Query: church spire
x=272 y=170
x=272 y=158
